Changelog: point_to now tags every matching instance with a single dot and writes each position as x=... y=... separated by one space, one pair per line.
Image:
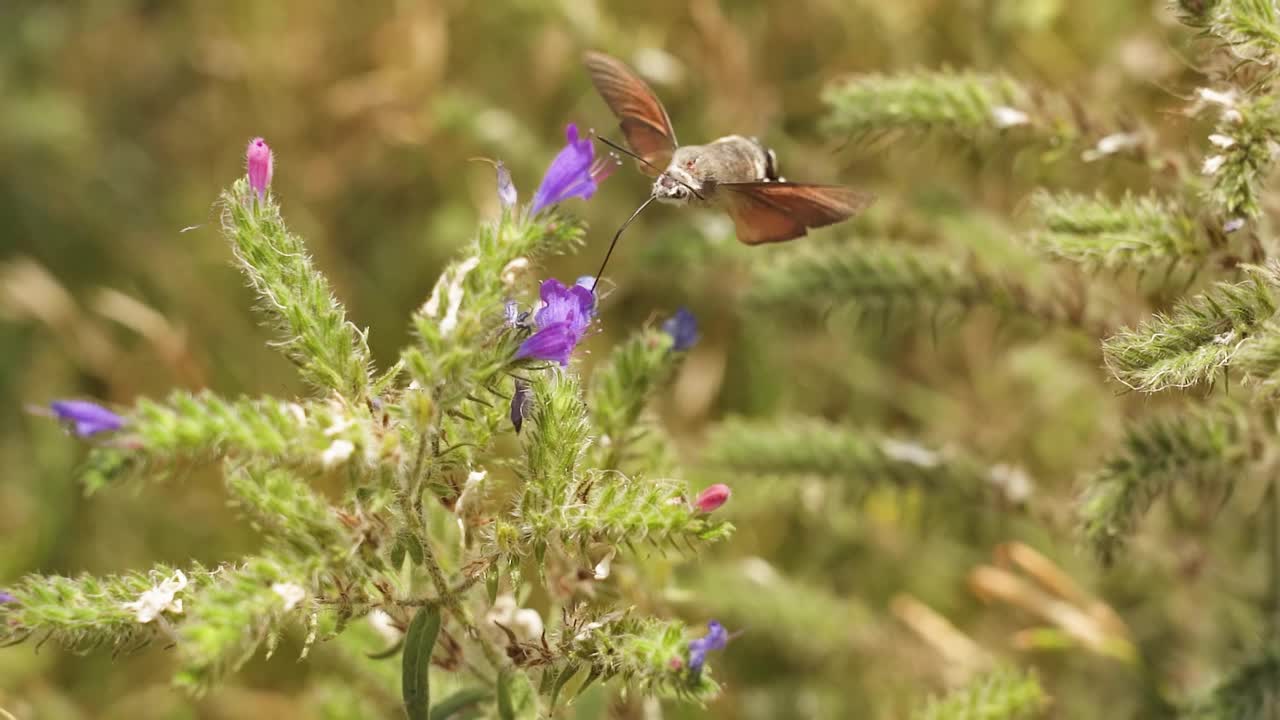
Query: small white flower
x=340 y=424
x=1217 y=97
x=1213 y=164
x=1013 y=481
x=759 y=571
x=659 y=65
x=1110 y=145
x=605 y=565
x=290 y=593
x=1233 y=225
x=383 y=624
x=432 y=306
x=513 y=269
x=1222 y=141
x=813 y=496
x=1007 y=117
x=1232 y=116
x=337 y=453
x=298 y=412
x=908 y=452
x=159 y=599
x=586 y=630
x=474 y=478
x=450 y=320
x=526 y=623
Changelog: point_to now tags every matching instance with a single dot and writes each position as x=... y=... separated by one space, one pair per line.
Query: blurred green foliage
x=122 y=119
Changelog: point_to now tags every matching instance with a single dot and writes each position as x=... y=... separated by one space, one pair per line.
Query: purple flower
x=561 y=322
x=89 y=418
x=715 y=639
x=258 y=160
x=506 y=188
x=6 y=598
x=574 y=172
x=520 y=403
x=683 y=329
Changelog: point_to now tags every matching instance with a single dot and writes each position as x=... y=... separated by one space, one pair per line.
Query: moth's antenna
x=648 y=164
x=626 y=152
x=614 y=242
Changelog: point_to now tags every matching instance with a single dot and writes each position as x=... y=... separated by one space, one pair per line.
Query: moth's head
x=679 y=183
x=668 y=188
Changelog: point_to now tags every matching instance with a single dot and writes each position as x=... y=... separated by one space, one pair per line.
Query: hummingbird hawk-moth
x=734 y=173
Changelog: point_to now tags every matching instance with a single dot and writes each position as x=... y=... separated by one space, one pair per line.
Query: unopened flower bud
x=258 y=160
x=712 y=498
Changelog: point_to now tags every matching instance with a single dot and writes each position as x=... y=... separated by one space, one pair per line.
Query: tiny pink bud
x=675 y=663
x=258 y=158
x=713 y=497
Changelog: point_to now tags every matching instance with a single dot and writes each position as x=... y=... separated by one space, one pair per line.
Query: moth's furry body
x=696 y=170
x=735 y=173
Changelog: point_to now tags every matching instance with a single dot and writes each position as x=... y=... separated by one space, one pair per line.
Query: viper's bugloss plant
x=440 y=521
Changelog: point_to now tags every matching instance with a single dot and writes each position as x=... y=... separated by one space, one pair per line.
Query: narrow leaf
x=465 y=698
x=516 y=698
x=419 y=642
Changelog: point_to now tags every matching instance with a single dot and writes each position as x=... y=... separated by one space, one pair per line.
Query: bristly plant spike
x=963 y=102
x=1248 y=693
x=1005 y=694
x=1202 y=451
x=421 y=527
x=1133 y=233
x=1197 y=340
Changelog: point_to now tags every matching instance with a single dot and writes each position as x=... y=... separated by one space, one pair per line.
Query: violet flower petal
x=569 y=174
x=520 y=403
x=554 y=343
x=507 y=196
x=88 y=418
x=683 y=329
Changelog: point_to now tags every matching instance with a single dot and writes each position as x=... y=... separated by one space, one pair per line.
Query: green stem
x=1273 y=551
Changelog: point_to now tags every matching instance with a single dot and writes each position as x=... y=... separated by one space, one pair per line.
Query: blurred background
x=121 y=120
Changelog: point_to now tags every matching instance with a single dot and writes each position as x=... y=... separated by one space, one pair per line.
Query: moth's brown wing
x=643 y=120
x=765 y=212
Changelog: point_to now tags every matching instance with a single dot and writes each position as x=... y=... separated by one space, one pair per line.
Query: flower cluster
x=218 y=619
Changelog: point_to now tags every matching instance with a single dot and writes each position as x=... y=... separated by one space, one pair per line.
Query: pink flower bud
x=258 y=158
x=713 y=497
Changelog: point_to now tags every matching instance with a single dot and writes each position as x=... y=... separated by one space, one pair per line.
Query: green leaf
x=516 y=698
x=450 y=706
x=562 y=679
x=419 y=642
